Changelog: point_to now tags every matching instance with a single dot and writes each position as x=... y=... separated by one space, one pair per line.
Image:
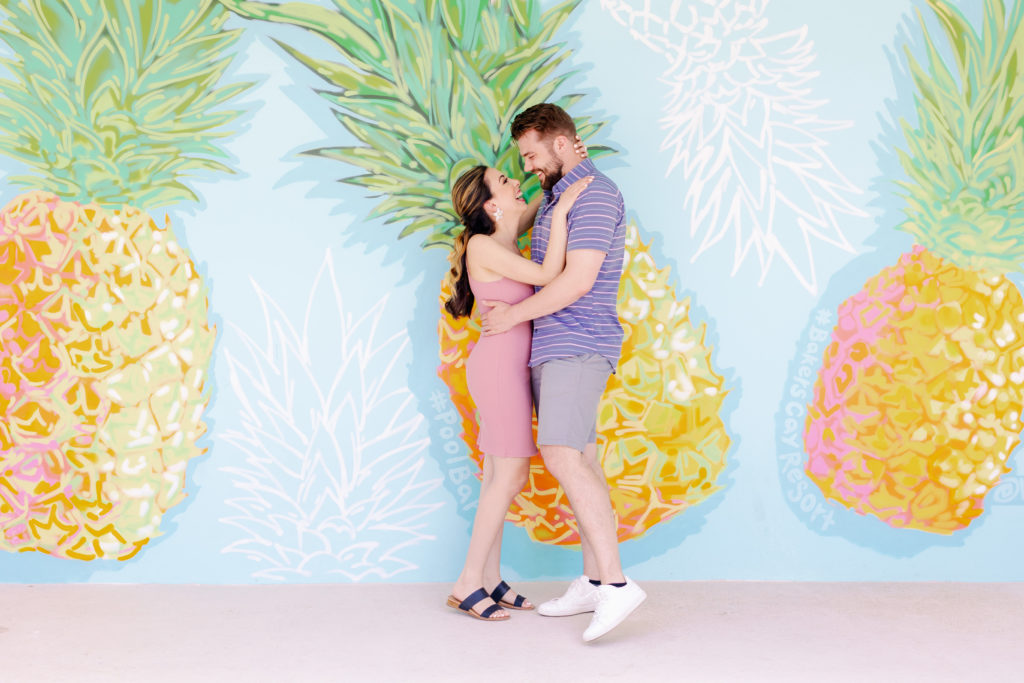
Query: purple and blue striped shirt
x=596 y=221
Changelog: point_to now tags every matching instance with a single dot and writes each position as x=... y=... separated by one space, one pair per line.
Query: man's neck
x=569 y=165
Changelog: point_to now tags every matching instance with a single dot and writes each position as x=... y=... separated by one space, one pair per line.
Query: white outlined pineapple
x=333 y=475
x=742 y=123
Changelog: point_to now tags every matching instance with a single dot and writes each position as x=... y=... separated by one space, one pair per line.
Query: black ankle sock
x=595 y=582
x=618 y=585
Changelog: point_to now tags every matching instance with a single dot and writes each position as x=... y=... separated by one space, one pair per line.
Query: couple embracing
x=551 y=339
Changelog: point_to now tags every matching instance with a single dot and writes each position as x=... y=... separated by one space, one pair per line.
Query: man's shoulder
x=601 y=190
x=601 y=183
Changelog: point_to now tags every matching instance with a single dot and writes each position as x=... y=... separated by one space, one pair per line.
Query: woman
x=487 y=265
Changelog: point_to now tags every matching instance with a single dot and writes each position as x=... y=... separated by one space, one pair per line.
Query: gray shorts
x=566 y=392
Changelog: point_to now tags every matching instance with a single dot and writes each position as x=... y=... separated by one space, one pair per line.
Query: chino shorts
x=566 y=393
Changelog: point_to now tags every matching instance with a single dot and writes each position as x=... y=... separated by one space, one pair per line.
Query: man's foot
x=580 y=597
x=614 y=605
x=479 y=606
x=508 y=598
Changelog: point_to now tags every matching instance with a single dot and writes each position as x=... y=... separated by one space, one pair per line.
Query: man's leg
x=588 y=495
x=587 y=490
x=567 y=393
x=567 y=402
x=570 y=393
x=581 y=595
x=590 y=568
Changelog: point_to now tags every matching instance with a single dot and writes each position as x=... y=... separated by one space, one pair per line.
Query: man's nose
x=528 y=166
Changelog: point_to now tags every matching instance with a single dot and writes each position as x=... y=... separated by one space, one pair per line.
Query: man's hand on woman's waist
x=501 y=318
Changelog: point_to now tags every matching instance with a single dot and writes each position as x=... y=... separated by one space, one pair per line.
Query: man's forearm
x=559 y=293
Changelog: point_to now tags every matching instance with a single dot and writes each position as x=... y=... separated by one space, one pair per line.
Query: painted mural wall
x=224 y=232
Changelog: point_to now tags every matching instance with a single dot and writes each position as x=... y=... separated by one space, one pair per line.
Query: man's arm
x=581 y=270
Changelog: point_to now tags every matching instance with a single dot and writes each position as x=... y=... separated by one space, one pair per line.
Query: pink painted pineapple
x=918 y=405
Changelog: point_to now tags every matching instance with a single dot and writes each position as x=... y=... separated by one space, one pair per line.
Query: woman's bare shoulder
x=480 y=241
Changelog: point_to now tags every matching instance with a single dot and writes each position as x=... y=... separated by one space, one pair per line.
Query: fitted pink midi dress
x=498 y=375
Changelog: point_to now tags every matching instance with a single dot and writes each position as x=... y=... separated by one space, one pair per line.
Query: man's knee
x=561 y=461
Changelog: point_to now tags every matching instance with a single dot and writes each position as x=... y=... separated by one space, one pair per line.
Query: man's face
x=539 y=158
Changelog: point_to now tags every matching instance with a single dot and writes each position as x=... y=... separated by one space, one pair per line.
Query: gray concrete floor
x=688 y=631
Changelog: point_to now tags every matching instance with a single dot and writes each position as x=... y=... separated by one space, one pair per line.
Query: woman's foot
x=478 y=605
x=508 y=598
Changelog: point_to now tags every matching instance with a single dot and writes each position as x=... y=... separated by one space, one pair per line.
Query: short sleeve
x=593 y=219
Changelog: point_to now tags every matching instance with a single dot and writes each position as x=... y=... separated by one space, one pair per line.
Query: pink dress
x=498 y=375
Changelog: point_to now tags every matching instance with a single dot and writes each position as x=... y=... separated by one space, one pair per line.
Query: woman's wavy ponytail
x=468 y=196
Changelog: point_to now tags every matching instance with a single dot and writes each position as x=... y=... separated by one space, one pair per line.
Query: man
x=576 y=344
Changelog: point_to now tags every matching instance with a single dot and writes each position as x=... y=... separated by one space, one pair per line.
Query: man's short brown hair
x=545 y=118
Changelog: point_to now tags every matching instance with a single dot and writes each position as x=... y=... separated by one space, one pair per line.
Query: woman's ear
x=490 y=207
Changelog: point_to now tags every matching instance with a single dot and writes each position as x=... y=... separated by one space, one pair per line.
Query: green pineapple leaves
x=429 y=88
x=116 y=101
x=965 y=158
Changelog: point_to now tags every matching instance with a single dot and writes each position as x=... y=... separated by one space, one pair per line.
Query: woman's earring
x=498 y=213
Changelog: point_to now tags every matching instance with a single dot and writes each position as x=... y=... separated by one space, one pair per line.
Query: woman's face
x=505 y=193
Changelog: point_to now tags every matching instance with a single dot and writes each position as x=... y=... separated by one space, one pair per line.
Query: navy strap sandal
x=499 y=593
x=471 y=600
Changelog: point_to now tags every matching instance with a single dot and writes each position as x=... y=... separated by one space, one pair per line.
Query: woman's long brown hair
x=468 y=196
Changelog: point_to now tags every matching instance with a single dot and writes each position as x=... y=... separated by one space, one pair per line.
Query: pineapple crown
x=430 y=88
x=965 y=158
x=115 y=101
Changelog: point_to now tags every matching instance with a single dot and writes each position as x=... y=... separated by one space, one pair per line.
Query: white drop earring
x=498 y=213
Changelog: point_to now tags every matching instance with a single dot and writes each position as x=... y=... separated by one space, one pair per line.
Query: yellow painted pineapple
x=104 y=332
x=918 y=405
x=429 y=89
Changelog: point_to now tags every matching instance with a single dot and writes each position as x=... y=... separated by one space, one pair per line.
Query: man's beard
x=551 y=176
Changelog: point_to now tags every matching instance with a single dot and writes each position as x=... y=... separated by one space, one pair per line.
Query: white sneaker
x=614 y=605
x=580 y=597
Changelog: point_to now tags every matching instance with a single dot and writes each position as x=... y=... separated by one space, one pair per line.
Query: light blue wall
x=263 y=240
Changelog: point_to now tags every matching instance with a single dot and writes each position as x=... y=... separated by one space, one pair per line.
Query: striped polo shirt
x=596 y=221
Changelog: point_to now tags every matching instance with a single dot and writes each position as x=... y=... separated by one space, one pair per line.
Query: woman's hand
x=579 y=147
x=571 y=194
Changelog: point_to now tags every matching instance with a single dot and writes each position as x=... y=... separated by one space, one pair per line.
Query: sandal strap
x=486 y=614
x=473 y=598
x=499 y=591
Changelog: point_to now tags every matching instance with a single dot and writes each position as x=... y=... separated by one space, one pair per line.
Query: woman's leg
x=492 y=568
x=488 y=572
x=503 y=479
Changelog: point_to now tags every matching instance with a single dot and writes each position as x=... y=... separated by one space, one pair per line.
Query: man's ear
x=562 y=144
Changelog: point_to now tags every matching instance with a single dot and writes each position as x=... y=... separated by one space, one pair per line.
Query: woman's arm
x=554 y=256
x=483 y=251
x=526 y=220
